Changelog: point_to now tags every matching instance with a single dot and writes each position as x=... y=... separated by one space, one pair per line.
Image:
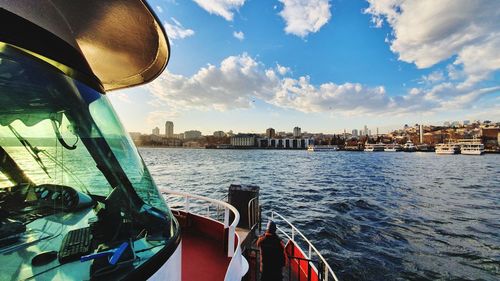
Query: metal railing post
x=226 y=217
x=230 y=243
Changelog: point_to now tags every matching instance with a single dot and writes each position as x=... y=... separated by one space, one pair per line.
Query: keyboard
x=75 y=244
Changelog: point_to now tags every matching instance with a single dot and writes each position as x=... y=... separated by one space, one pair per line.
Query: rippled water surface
x=375 y=216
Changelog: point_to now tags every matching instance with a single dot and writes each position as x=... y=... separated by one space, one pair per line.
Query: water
x=375 y=216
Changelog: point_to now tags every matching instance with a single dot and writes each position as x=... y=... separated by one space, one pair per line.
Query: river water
x=375 y=216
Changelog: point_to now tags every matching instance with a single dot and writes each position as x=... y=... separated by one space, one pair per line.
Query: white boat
x=323 y=148
x=409 y=147
x=393 y=148
x=375 y=147
x=471 y=147
x=447 y=148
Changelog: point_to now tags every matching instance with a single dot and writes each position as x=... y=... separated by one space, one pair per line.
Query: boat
x=471 y=147
x=425 y=148
x=447 y=148
x=77 y=201
x=376 y=147
x=313 y=148
x=393 y=147
x=409 y=147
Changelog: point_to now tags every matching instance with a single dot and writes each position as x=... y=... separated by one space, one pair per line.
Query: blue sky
x=326 y=66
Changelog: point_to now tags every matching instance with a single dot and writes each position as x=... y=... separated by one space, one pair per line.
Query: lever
x=114 y=254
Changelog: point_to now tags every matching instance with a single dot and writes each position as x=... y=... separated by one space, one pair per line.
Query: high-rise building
x=365 y=131
x=355 y=133
x=156 y=131
x=297 y=132
x=270 y=133
x=169 y=129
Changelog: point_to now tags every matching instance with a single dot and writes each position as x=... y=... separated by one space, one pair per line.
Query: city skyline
x=327 y=66
x=297 y=131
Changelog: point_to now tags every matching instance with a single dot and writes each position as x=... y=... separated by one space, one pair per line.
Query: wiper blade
x=32 y=150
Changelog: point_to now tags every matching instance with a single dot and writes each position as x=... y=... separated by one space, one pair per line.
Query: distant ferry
x=409 y=147
x=323 y=148
x=374 y=147
x=471 y=147
x=447 y=148
x=393 y=147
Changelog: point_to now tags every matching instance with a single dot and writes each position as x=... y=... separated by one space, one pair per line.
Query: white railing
x=190 y=199
x=253 y=212
x=294 y=231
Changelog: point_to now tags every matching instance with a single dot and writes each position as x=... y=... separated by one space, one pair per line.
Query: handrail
x=253 y=212
x=328 y=269
x=227 y=207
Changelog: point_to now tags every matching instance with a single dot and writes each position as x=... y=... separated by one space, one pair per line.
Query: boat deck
x=202 y=258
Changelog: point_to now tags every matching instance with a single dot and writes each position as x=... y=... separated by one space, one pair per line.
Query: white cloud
x=223 y=8
x=282 y=69
x=305 y=16
x=433 y=77
x=426 y=32
x=240 y=80
x=239 y=35
x=175 y=30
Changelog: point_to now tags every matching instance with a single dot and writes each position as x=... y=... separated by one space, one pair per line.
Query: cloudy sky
x=326 y=66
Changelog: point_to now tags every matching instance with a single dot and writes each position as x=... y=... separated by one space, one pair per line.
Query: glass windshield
x=71 y=180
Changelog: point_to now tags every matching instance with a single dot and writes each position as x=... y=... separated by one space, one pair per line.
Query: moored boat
x=393 y=147
x=471 y=147
x=447 y=148
x=375 y=147
x=323 y=148
x=409 y=147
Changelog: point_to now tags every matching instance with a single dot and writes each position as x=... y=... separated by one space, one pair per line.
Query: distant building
x=297 y=132
x=446 y=124
x=219 y=134
x=179 y=136
x=270 y=133
x=355 y=133
x=466 y=122
x=156 y=131
x=421 y=133
x=169 y=129
x=244 y=140
x=281 y=134
x=366 y=131
x=193 y=134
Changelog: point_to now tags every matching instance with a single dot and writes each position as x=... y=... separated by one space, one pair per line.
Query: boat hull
x=472 y=152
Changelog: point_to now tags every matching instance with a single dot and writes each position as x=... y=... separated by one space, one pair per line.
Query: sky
x=325 y=66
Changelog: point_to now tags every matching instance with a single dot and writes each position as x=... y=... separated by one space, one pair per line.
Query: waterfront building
x=219 y=134
x=270 y=133
x=156 y=131
x=244 y=140
x=169 y=129
x=296 y=132
x=193 y=134
x=179 y=136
